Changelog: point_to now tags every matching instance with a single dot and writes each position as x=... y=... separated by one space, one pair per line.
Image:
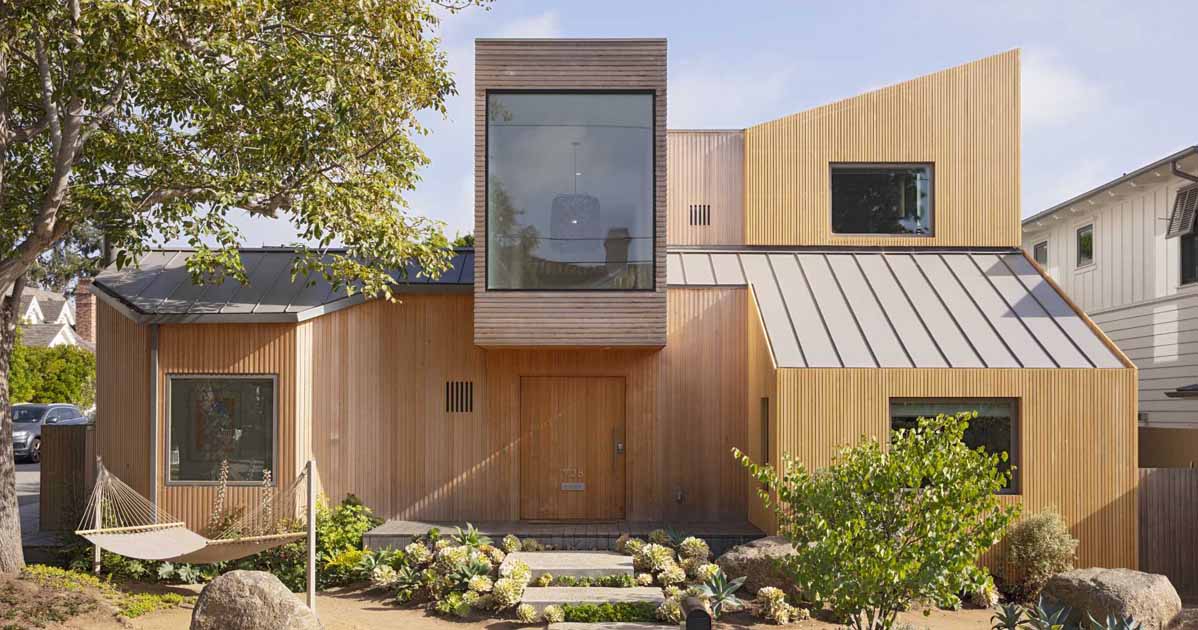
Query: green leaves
x=882 y=527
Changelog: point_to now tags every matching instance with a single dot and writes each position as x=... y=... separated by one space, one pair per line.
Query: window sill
x=1085 y=268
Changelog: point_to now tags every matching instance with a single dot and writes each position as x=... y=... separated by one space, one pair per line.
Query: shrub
x=61 y=374
x=622 y=612
x=1039 y=547
x=881 y=528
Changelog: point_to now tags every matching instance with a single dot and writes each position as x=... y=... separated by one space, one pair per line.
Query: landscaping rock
x=250 y=600
x=1146 y=597
x=757 y=561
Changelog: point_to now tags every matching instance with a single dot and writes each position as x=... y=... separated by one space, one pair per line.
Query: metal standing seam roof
x=954 y=309
x=159 y=289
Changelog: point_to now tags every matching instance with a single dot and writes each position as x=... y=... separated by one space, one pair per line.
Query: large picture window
x=996 y=429
x=216 y=420
x=570 y=201
x=882 y=199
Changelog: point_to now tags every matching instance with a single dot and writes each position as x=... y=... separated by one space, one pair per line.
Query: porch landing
x=596 y=536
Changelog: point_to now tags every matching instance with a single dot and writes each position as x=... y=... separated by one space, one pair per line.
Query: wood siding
x=267 y=349
x=569 y=318
x=1168 y=538
x=123 y=397
x=763 y=383
x=965 y=120
x=1077 y=436
x=1168 y=448
x=707 y=171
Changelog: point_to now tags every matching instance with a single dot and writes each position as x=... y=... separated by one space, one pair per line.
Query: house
x=1127 y=252
x=639 y=302
x=48 y=318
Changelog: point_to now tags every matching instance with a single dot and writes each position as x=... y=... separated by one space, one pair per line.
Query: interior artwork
x=221 y=422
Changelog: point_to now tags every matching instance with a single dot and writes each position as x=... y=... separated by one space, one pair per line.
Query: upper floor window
x=570 y=191
x=1189 y=259
x=882 y=199
x=1085 y=245
x=1040 y=253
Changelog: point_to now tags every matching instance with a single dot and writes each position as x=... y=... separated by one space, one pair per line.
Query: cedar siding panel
x=706 y=172
x=965 y=120
x=570 y=318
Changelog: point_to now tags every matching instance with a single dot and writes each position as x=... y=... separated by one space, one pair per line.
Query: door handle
x=619 y=448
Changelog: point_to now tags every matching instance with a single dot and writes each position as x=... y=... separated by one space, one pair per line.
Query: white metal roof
x=879 y=308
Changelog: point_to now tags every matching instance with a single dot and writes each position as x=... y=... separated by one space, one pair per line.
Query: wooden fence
x=1169 y=525
x=68 y=473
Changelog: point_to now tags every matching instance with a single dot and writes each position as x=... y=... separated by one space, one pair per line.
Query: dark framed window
x=996 y=429
x=882 y=199
x=765 y=430
x=1040 y=253
x=570 y=191
x=1189 y=259
x=1085 y=245
x=217 y=420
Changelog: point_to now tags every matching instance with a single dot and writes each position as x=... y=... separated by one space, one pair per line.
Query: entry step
x=541 y=596
x=614 y=625
x=591 y=564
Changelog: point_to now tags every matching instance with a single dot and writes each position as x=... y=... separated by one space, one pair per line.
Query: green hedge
x=62 y=374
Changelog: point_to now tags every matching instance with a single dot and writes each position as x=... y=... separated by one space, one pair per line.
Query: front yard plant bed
x=610 y=613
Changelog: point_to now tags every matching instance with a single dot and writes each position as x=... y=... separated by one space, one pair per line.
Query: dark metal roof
x=929 y=308
x=159 y=289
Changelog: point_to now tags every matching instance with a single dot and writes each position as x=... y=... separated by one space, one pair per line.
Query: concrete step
x=541 y=596
x=615 y=625
x=590 y=564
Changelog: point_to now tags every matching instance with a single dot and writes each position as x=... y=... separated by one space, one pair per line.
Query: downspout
x=154 y=446
x=1182 y=174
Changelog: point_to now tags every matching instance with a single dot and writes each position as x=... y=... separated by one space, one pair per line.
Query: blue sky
x=1107 y=86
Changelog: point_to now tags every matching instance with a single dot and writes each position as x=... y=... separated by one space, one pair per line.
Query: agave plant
x=473 y=567
x=1113 y=622
x=1049 y=616
x=1010 y=617
x=408 y=580
x=720 y=593
x=675 y=537
x=470 y=537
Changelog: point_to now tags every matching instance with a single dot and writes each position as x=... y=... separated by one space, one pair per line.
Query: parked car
x=28 y=420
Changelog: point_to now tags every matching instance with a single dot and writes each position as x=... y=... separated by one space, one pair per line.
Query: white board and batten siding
x=1133 y=289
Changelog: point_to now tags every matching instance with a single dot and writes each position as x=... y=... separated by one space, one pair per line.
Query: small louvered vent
x=459 y=396
x=1185 y=210
x=700 y=214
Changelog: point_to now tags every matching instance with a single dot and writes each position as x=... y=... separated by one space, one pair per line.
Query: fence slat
x=1168 y=500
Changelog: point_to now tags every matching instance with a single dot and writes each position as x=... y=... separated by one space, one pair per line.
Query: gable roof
x=158 y=289
x=44 y=335
x=905 y=308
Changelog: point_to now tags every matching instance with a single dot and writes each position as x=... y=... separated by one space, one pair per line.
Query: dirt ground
x=356 y=610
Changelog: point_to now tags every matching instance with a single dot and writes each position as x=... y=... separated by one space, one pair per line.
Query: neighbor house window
x=570 y=191
x=217 y=420
x=996 y=429
x=1189 y=259
x=1040 y=253
x=1085 y=245
x=882 y=199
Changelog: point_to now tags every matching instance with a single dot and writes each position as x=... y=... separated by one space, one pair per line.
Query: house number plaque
x=572 y=480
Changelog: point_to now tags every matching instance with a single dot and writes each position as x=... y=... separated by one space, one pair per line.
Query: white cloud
x=717 y=94
x=1054 y=92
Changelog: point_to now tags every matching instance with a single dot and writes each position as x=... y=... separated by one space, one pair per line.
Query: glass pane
x=881 y=199
x=216 y=420
x=992 y=429
x=1040 y=253
x=1189 y=259
x=570 y=191
x=1085 y=246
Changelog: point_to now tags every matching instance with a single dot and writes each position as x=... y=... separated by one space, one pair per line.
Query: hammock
x=120 y=520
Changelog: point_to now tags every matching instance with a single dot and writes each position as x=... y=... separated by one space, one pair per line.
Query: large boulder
x=757 y=561
x=1146 y=597
x=250 y=600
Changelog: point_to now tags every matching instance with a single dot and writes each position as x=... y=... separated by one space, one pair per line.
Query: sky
x=1105 y=88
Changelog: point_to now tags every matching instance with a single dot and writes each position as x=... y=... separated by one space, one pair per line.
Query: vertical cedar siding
x=965 y=120
x=569 y=318
x=123 y=397
x=762 y=383
x=706 y=169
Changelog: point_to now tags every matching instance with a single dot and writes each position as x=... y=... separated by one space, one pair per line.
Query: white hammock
x=121 y=521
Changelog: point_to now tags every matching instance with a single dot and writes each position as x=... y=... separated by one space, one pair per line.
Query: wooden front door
x=572 y=448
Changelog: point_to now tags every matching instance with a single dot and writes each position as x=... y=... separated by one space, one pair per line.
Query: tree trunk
x=12 y=558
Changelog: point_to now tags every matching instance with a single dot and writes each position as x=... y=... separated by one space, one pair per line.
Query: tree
x=881 y=528
x=155 y=121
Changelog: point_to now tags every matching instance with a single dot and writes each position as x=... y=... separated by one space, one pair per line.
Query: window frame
x=931 y=166
x=1014 y=403
x=1192 y=239
x=1036 y=246
x=486 y=170
x=274 y=417
x=1077 y=246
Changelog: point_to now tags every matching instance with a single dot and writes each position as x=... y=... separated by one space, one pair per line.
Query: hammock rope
x=119 y=519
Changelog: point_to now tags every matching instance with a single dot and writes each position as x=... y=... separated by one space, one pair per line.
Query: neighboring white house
x=1126 y=253
x=48 y=319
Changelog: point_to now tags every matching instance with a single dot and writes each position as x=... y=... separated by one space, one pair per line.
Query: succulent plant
x=670 y=611
x=506 y=593
x=671 y=576
x=480 y=583
x=694 y=548
x=525 y=613
x=720 y=593
x=653 y=558
x=417 y=553
x=511 y=543
x=545 y=579
x=553 y=614
x=470 y=537
x=644 y=579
